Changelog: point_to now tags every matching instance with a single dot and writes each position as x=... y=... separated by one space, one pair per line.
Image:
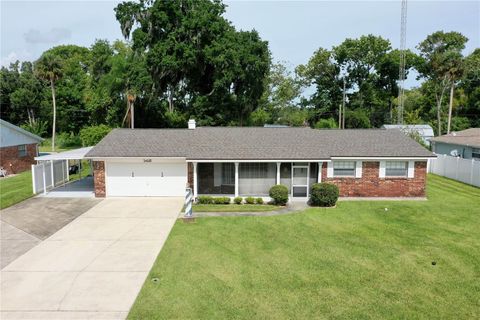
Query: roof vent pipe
x=191 y=124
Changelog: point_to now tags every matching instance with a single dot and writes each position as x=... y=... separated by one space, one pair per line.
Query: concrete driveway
x=26 y=224
x=94 y=267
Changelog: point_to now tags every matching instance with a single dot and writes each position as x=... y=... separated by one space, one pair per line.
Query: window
x=344 y=168
x=22 y=150
x=476 y=153
x=228 y=173
x=396 y=168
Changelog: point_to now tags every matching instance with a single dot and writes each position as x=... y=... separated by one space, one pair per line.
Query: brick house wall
x=99 y=178
x=13 y=163
x=371 y=185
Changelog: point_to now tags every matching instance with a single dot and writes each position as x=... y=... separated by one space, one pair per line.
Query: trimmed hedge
x=221 y=200
x=324 y=194
x=205 y=200
x=259 y=201
x=249 y=200
x=279 y=194
x=238 y=200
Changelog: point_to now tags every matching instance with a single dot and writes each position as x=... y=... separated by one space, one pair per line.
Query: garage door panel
x=146 y=179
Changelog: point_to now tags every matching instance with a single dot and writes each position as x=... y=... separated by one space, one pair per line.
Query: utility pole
x=343 y=104
x=401 y=71
x=340 y=116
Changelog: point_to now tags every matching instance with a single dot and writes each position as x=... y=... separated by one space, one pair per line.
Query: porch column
x=53 y=174
x=236 y=179
x=319 y=178
x=195 y=182
x=278 y=172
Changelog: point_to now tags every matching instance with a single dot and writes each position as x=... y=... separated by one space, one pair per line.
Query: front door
x=300 y=180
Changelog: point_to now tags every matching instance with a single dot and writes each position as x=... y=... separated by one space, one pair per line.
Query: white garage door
x=145 y=179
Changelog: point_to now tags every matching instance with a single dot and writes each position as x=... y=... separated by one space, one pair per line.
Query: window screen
x=228 y=173
x=344 y=168
x=396 y=168
x=22 y=150
x=256 y=178
x=476 y=153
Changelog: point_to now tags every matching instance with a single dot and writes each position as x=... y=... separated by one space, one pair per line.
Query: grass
x=234 y=207
x=15 y=189
x=356 y=261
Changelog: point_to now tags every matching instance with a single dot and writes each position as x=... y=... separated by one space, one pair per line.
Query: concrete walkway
x=94 y=267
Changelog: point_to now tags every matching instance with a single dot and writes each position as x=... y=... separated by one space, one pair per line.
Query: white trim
x=33 y=180
x=358 y=169
x=319 y=176
x=384 y=158
x=381 y=171
x=411 y=169
x=330 y=170
x=278 y=172
x=195 y=181
x=128 y=159
x=236 y=179
x=259 y=160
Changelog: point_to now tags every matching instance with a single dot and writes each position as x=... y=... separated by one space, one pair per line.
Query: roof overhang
x=75 y=154
x=385 y=158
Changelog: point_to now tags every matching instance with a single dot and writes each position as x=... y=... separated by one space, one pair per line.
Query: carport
x=51 y=175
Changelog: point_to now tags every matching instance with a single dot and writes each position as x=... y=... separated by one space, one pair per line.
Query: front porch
x=253 y=179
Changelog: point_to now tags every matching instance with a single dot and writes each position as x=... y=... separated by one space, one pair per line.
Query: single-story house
x=18 y=148
x=247 y=161
x=464 y=144
x=424 y=131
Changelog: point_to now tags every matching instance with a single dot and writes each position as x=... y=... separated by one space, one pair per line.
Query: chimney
x=191 y=124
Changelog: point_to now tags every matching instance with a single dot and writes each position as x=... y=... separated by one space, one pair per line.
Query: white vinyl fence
x=464 y=170
x=45 y=173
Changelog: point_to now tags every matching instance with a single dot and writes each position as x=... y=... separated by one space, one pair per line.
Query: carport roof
x=257 y=143
x=74 y=154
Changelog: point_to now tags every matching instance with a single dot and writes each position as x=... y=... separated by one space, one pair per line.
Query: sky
x=294 y=29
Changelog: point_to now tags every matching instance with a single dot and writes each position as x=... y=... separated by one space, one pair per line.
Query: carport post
x=195 y=183
x=66 y=170
x=53 y=174
x=34 y=187
x=44 y=179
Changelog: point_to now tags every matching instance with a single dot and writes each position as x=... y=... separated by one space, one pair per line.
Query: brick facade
x=99 y=178
x=190 y=176
x=371 y=185
x=13 y=163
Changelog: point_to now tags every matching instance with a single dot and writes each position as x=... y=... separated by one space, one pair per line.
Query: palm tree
x=49 y=67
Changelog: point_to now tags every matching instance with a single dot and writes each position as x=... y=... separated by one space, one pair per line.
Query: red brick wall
x=99 y=178
x=190 y=175
x=371 y=185
x=11 y=162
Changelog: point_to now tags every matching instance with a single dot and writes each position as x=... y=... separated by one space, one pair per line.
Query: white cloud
x=14 y=56
x=35 y=36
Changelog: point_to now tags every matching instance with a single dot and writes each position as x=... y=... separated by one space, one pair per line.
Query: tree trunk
x=450 y=107
x=132 y=117
x=170 y=100
x=52 y=84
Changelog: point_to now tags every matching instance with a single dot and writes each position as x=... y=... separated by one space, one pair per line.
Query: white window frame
x=22 y=151
x=354 y=167
x=410 y=169
x=394 y=163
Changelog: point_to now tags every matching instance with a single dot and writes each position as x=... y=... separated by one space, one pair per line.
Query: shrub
x=238 y=200
x=259 y=201
x=90 y=136
x=249 y=200
x=279 y=194
x=221 y=200
x=205 y=200
x=324 y=195
x=36 y=126
x=68 y=140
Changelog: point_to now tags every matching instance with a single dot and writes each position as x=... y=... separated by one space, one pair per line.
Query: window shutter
x=358 y=169
x=330 y=169
x=411 y=169
x=382 y=169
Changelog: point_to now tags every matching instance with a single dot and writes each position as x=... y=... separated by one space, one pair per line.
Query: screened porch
x=254 y=178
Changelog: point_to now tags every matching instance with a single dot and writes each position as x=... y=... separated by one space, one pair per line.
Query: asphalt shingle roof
x=469 y=137
x=251 y=143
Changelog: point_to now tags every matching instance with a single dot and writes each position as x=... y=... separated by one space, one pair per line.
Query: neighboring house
x=247 y=161
x=18 y=147
x=424 y=131
x=464 y=144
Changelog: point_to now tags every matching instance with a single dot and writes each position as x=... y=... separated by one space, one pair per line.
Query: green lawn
x=356 y=261
x=15 y=189
x=233 y=208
